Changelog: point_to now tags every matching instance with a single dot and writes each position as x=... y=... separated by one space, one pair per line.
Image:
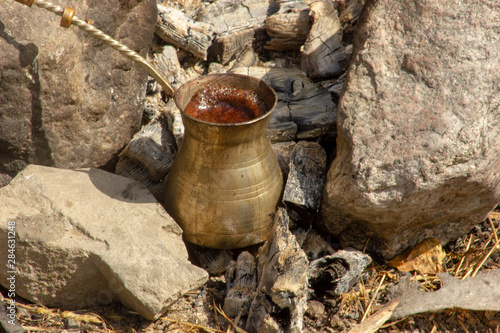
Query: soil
x=200 y=310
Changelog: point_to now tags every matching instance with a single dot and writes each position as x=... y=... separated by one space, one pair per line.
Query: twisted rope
x=124 y=50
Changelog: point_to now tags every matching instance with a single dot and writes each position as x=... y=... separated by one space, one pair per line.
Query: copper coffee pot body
x=225 y=183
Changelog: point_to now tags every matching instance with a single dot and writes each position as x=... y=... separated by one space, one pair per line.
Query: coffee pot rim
x=220 y=76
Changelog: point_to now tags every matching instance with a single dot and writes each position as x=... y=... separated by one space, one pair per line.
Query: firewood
x=281 y=127
x=238 y=24
x=246 y=58
x=282 y=267
x=189 y=4
x=351 y=11
x=306 y=181
x=315 y=246
x=229 y=44
x=283 y=151
x=323 y=54
x=302 y=104
x=241 y=280
x=228 y=15
x=276 y=286
x=148 y=156
x=214 y=261
x=289 y=27
x=168 y=65
x=336 y=273
x=176 y=28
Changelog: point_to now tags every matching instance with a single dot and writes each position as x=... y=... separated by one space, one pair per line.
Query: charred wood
x=283 y=151
x=228 y=45
x=351 y=10
x=306 y=180
x=214 y=261
x=178 y=29
x=238 y=24
x=302 y=104
x=315 y=246
x=168 y=65
x=241 y=282
x=323 y=54
x=149 y=155
x=227 y=15
x=337 y=273
x=282 y=269
x=289 y=27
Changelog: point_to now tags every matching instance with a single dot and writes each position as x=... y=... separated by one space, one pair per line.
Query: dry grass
x=466 y=256
x=36 y=318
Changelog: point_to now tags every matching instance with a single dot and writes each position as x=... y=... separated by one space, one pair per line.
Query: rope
x=124 y=50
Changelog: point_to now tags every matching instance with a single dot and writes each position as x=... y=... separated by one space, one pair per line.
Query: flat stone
x=68 y=100
x=418 y=146
x=88 y=237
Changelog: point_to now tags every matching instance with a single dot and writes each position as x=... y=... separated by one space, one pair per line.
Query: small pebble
x=315 y=309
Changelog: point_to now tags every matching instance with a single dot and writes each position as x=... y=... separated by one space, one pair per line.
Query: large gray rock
x=418 y=125
x=66 y=99
x=89 y=237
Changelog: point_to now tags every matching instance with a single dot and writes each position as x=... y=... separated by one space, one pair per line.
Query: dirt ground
x=200 y=310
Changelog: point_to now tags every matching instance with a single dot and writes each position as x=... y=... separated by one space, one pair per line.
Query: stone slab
x=88 y=237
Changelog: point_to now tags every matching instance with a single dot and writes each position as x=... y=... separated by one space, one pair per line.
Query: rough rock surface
x=66 y=99
x=89 y=237
x=418 y=125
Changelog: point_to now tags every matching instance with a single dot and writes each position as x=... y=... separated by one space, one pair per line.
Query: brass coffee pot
x=225 y=183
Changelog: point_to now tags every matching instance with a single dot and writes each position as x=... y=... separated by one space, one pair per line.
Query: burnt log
x=168 y=64
x=228 y=15
x=283 y=151
x=272 y=295
x=351 y=10
x=306 y=181
x=289 y=27
x=337 y=273
x=246 y=58
x=315 y=246
x=229 y=45
x=178 y=29
x=323 y=55
x=148 y=157
x=214 y=261
x=282 y=282
x=241 y=282
x=238 y=24
x=304 y=110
